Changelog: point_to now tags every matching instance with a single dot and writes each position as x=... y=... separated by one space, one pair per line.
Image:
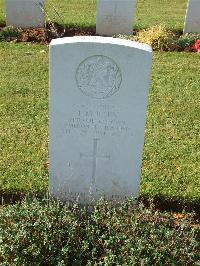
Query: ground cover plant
x=48 y=233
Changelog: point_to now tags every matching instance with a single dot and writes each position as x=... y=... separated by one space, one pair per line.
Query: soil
x=53 y=31
x=45 y=35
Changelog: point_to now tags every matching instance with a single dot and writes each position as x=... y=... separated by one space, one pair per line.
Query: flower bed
x=158 y=36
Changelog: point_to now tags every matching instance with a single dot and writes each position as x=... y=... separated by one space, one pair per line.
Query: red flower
x=196 y=46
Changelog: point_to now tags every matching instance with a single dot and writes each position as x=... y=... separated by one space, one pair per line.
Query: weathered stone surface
x=25 y=13
x=115 y=17
x=192 y=18
x=98 y=101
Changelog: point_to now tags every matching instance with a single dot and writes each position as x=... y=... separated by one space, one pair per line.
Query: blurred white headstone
x=192 y=18
x=115 y=17
x=25 y=13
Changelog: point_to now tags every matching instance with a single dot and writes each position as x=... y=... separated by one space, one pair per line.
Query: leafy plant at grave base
x=9 y=34
x=49 y=233
x=160 y=38
x=187 y=40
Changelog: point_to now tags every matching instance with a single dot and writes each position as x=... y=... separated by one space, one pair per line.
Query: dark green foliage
x=187 y=40
x=47 y=233
x=9 y=34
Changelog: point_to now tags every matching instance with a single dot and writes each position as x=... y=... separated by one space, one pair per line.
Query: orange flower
x=178 y=215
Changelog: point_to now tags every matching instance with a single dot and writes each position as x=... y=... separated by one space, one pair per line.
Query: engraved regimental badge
x=98 y=77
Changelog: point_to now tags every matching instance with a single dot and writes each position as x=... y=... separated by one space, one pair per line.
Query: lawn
x=170 y=163
x=24 y=89
x=81 y=13
x=44 y=232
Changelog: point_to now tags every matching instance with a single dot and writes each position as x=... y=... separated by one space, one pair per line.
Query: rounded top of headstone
x=101 y=40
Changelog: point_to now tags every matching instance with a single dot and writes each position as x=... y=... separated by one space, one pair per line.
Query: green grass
x=23 y=112
x=2 y=11
x=167 y=12
x=171 y=154
x=82 y=13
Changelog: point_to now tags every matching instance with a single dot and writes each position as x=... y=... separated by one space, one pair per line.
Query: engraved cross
x=94 y=158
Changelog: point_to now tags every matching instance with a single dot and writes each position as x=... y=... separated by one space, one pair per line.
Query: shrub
x=9 y=34
x=48 y=233
x=187 y=40
x=158 y=37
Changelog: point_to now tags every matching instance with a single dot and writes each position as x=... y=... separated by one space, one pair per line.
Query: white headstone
x=192 y=18
x=25 y=13
x=115 y=17
x=98 y=102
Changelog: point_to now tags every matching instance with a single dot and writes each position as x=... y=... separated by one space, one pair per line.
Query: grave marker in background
x=115 y=17
x=97 y=110
x=192 y=17
x=25 y=13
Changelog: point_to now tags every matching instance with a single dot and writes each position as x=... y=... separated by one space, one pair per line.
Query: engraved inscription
x=108 y=19
x=98 y=77
x=100 y=121
x=94 y=158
